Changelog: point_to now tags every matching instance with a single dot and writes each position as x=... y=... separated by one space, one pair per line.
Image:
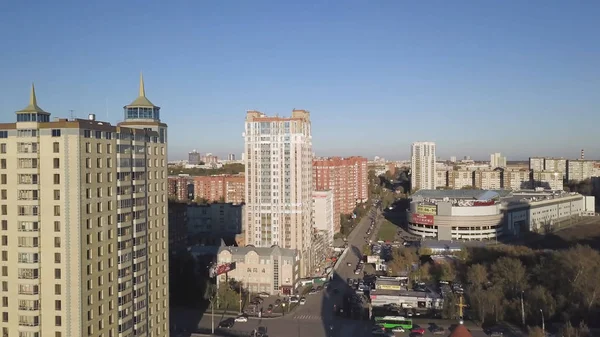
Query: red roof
x=460 y=331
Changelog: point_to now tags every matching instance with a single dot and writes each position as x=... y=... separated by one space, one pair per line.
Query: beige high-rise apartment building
x=422 y=166
x=84 y=224
x=278 y=158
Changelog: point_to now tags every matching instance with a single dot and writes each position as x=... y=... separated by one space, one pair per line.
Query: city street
x=315 y=318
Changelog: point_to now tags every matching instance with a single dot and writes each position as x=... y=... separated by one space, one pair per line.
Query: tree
x=580 y=331
x=539 y=298
x=201 y=201
x=535 y=331
x=477 y=276
x=510 y=274
x=447 y=272
x=403 y=260
x=423 y=273
x=450 y=308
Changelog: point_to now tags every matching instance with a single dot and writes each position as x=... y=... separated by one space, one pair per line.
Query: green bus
x=391 y=322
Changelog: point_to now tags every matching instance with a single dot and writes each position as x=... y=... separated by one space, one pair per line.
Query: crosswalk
x=307 y=317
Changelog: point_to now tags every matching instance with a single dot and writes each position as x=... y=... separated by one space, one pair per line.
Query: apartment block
x=209 y=158
x=347 y=178
x=517 y=179
x=497 y=160
x=536 y=163
x=218 y=219
x=548 y=179
x=179 y=187
x=441 y=178
x=278 y=157
x=178 y=221
x=84 y=224
x=194 y=158
x=488 y=179
x=423 y=166
x=460 y=178
x=580 y=169
x=556 y=165
x=220 y=188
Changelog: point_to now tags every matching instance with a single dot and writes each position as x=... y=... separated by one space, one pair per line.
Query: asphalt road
x=315 y=318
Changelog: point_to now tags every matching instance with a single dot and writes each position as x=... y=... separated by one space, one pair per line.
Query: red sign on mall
x=422 y=219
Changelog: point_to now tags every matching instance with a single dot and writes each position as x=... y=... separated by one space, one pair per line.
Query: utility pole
x=461 y=306
x=522 y=309
x=543 y=322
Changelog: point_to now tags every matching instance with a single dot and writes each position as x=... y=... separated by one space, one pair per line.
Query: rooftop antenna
x=71 y=115
x=106 y=108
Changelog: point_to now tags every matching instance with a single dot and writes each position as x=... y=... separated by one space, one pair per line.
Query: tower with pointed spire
x=143 y=114
x=87 y=202
x=32 y=112
x=141 y=109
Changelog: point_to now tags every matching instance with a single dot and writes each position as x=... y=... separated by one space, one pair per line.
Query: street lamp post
x=543 y=322
x=522 y=309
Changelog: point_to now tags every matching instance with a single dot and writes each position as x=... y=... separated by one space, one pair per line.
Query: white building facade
x=323 y=214
x=423 y=166
x=278 y=157
x=497 y=160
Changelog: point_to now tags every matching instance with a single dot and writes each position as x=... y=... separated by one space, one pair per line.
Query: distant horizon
x=370 y=158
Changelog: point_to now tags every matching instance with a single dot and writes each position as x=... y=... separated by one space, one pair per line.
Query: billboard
x=422 y=219
x=372 y=259
x=388 y=287
x=217 y=270
x=427 y=209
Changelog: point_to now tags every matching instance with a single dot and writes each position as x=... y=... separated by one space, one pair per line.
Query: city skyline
x=376 y=79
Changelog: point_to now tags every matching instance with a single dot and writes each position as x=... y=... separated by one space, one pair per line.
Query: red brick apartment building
x=221 y=187
x=178 y=187
x=347 y=178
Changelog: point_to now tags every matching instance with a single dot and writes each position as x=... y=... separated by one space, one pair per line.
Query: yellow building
x=84 y=224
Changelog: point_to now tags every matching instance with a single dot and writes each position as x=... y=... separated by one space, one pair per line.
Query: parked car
x=438 y=330
x=263 y=294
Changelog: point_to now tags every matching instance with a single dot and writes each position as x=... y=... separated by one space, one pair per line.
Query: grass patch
x=387 y=231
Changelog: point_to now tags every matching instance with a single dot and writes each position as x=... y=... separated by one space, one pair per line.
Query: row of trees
x=232 y=168
x=563 y=285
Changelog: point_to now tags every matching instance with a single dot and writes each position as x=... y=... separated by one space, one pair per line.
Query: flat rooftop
x=404 y=293
x=506 y=197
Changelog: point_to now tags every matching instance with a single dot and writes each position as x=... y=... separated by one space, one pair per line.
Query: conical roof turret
x=142 y=101
x=32 y=107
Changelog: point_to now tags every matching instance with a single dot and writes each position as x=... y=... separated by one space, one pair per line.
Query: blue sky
x=519 y=77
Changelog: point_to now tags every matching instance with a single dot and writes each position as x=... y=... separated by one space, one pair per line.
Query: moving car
x=241 y=319
x=302 y=301
x=227 y=324
x=398 y=329
x=263 y=294
x=418 y=330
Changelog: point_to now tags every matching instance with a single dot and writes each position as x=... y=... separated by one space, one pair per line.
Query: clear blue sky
x=519 y=77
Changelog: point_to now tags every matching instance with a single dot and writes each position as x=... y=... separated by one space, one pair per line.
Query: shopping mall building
x=488 y=215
